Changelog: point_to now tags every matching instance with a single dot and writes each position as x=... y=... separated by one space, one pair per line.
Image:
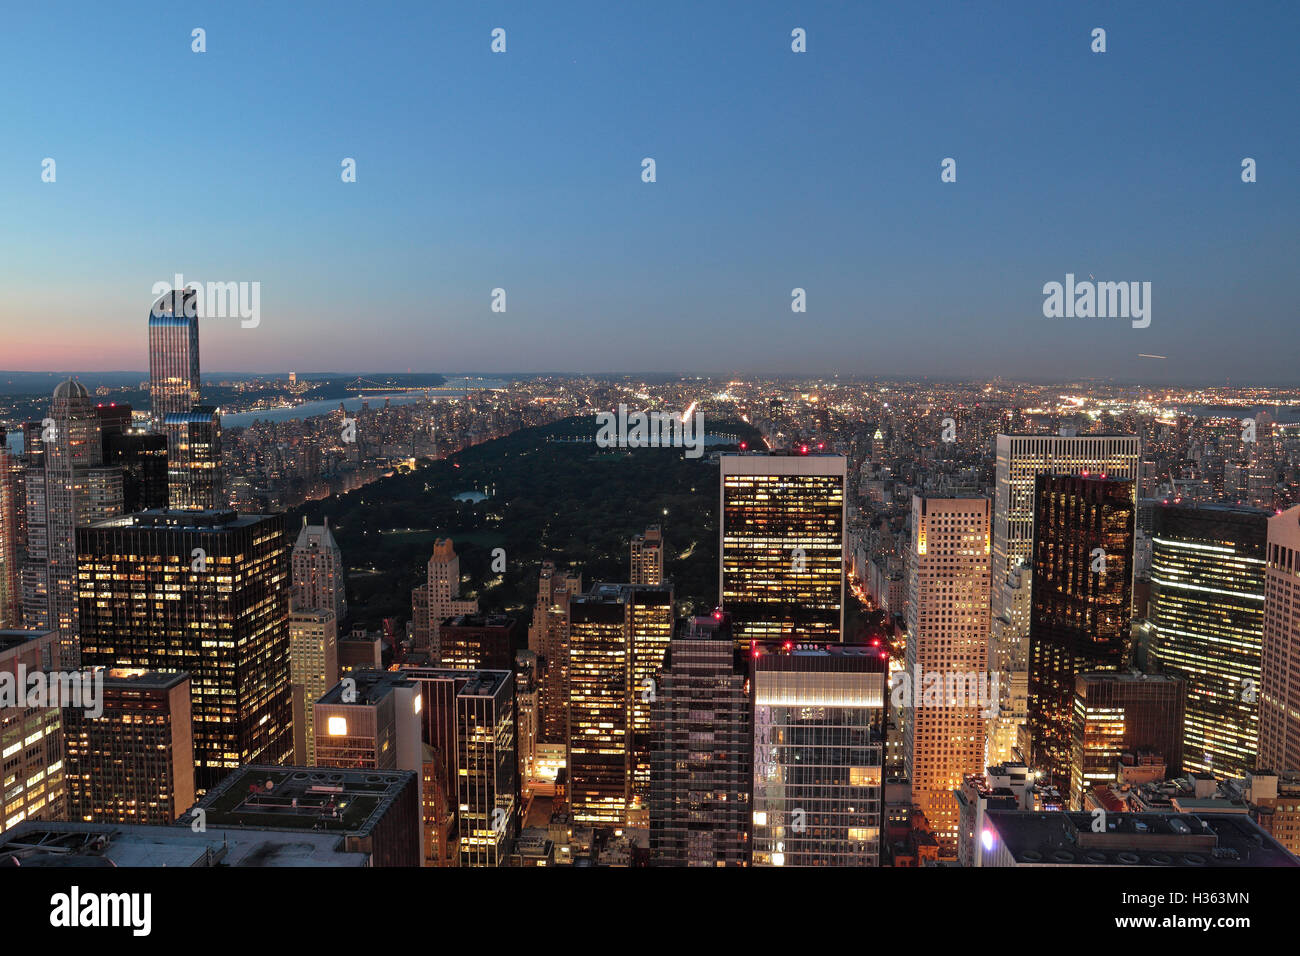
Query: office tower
x=76 y=490
x=134 y=761
x=975 y=799
x=1082 y=603
x=478 y=641
x=319 y=577
x=648 y=556
x=650 y=630
x=194 y=459
x=313 y=669
x=470 y=726
x=947 y=653
x=32 y=775
x=1279 y=695
x=782 y=546
x=10 y=588
x=1124 y=713
x=1009 y=659
x=142 y=456
x=173 y=355
x=1205 y=841
x=372 y=812
x=819 y=712
x=206 y=593
x=1261 y=455
x=1207 y=618
x=360 y=651
x=370 y=719
x=600 y=752
x=701 y=758
x=548 y=638
x=1020 y=459
x=441 y=593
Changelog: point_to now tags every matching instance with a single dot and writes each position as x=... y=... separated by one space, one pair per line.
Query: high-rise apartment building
x=819 y=740
x=1207 y=618
x=319 y=577
x=702 y=751
x=1279 y=687
x=1124 y=713
x=947 y=637
x=1082 y=603
x=548 y=638
x=647 y=553
x=206 y=593
x=781 y=574
x=438 y=598
x=133 y=762
x=173 y=355
x=313 y=669
x=10 y=587
x=478 y=641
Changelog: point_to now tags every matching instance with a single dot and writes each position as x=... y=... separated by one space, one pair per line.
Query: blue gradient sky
x=775 y=170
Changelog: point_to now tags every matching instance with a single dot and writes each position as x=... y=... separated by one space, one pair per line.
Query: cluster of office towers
x=88 y=462
x=753 y=735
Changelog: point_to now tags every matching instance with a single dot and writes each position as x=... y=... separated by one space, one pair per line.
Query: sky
x=775 y=170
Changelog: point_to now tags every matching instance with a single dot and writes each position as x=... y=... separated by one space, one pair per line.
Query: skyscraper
x=819 y=740
x=948 y=637
x=319 y=577
x=194 y=480
x=1207 y=619
x=173 y=355
x=600 y=690
x=134 y=762
x=1119 y=713
x=206 y=593
x=650 y=630
x=1020 y=459
x=73 y=490
x=470 y=727
x=32 y=770
x=1279 y=695
x=313 y=669
x=441 y=591
x=548 y=638
x=701 y=758
x=1082 y=603
x=10 y=590
x=647 y=553
x=781 y=574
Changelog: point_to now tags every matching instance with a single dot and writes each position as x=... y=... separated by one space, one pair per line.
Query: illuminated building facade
x=650 y=623
x=370 y=719
x=319 y=578
x=1207 y=618
x=10 y=589
x=600 y=751
x=194 y=459
x=478 y=641
x=1020 y=460
x=313 y=669
x=1082 y=604
x=819 y=740
x=701 y=760
x=947 y=636
x=647 y=552
x=782 y=546
x=1124 y=713
x=206 y=593
x=1279 y=693
x=548 y=638
x=134 y=762
x=32 y=774
x=468 y=723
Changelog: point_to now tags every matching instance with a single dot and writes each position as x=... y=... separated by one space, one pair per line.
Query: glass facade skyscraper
x=819 y=740
x=1207 y=619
